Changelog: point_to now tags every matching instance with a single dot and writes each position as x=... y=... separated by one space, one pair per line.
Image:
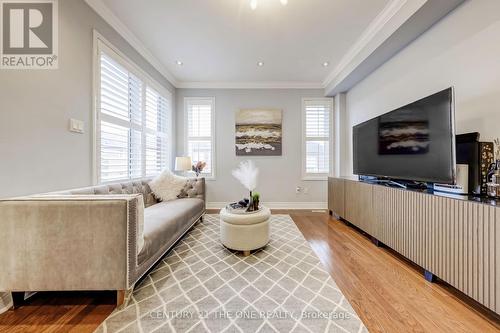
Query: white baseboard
x=278 y=205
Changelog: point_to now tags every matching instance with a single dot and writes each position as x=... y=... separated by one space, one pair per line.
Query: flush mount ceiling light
x=254 y=3
x=179 y=63
x=326 y=64
x=260 y=63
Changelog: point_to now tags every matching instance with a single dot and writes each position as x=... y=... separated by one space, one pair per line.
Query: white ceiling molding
x=400 y=23
x=384 y=25
x=251 y=85
x=102 y=10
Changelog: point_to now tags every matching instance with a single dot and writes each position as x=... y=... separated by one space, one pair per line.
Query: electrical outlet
x=298 y=189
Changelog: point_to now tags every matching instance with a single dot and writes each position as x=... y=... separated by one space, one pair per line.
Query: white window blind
x=156 y=136
x=132 y=122
x=317 y=120
x=200 y=132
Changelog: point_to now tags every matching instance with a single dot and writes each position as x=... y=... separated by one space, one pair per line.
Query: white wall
x=462 y=50
x=279 y=176
x=37 y=152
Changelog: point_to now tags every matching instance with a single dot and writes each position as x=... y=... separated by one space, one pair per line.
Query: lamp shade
x=183 y=163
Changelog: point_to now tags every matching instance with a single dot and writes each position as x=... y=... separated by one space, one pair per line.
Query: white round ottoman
x=245 y=232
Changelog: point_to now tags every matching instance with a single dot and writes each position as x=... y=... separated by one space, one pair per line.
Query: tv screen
x=415 y=142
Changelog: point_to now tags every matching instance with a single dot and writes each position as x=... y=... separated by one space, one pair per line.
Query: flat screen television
x=415 y=142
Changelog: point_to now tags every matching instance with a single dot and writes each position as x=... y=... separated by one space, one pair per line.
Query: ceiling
x=223 y=40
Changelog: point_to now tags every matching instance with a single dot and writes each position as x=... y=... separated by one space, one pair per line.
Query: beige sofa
x=87 y=239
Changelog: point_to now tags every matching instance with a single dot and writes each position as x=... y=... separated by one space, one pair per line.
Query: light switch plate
x=76 y=126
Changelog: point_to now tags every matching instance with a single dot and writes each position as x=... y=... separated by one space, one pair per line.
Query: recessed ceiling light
x=326 y=64
x=284 y=2
x=180 y=63
x=260 y=63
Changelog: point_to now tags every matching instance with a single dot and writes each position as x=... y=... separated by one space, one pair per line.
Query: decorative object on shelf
x=247 y=174
x=259 y=132
x=198 y=167
x=494 y=190
x=493 y=186
x=486 y=159
x=256 y=199
x=496 y=144
x=183 y=164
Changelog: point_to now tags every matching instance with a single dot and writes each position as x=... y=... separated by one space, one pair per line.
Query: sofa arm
x=68 y=242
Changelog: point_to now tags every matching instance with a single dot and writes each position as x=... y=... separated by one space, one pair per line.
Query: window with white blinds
x=199 y=120
x=317 y=134
x=132 y=121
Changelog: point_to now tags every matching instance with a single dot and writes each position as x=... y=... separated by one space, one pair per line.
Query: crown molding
x=251 y=85
x=107 y=15
x=351 y=67
x=392 y=17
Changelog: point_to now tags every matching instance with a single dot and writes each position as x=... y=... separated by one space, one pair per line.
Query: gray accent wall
x=279 y=176
x=38 y=153
x=460 y=51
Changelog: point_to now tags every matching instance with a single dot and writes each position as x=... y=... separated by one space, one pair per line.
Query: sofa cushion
x=165 y=222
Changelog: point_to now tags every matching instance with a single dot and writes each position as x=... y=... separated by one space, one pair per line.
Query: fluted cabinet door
x=359 y=205
x=338 y=194
x=458 y=241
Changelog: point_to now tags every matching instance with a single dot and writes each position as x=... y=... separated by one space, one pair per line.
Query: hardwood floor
x=388 y=292
x=60 y=312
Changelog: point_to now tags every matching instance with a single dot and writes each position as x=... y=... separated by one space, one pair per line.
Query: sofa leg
x=246 y=253
x=123 y=297
x=120 y=298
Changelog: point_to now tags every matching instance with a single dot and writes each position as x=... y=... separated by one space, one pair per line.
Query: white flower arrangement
x=247 y=174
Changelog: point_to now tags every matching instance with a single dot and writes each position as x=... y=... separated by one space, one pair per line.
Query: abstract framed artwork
x=259 y=132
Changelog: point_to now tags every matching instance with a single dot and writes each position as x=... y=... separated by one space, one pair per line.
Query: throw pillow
x=167 y=186
x=190 y=190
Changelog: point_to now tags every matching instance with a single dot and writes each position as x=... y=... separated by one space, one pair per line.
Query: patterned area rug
x=200 y=286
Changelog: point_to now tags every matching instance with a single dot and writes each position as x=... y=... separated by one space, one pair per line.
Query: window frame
x=101 y=44
x=307 y=176
x=212 y=175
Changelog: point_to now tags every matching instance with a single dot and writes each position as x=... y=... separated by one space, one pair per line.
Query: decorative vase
x=494 y=167
x=256 y=205
x=251 y=207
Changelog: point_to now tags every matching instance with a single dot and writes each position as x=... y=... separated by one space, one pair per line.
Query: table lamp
x=183 y=163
